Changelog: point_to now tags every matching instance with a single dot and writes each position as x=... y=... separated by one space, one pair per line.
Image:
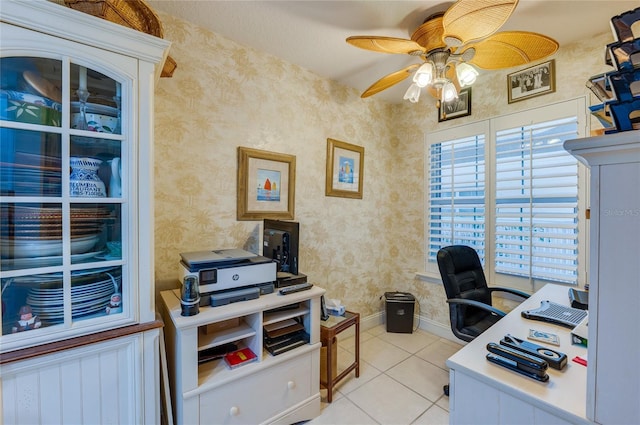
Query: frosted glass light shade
x=466 y=74
x=449 y=92
x=423 y=75
x=412 y=93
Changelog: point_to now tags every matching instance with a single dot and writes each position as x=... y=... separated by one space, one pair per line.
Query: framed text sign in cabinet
x=281 y=384
x=79 y=340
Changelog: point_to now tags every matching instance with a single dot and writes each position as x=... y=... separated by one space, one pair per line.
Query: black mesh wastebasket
x=399 y=308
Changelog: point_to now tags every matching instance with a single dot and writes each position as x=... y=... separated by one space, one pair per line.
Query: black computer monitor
x=280 y=243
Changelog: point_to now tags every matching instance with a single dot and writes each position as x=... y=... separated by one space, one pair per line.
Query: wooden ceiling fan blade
x=389 y=80
x=512 y=48
x=469 y=20
x=429 y=34
x=385 y=44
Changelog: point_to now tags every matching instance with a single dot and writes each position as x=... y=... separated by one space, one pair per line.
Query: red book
x=240 y=357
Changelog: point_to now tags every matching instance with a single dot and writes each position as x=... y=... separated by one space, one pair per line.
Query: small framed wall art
x=345 y=165
x=456 y=108
x=266 y=185
x=531 y=82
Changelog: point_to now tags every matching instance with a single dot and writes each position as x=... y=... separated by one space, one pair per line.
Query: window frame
x=490 y=127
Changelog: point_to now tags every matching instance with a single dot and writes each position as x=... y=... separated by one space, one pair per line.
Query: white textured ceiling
x=312 y=34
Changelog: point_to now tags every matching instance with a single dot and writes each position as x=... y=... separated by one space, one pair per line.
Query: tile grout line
x=349 y=349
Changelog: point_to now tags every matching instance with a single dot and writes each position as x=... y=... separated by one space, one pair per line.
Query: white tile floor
x=401 y=380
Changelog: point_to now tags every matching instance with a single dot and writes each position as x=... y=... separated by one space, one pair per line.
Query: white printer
x=227 y=270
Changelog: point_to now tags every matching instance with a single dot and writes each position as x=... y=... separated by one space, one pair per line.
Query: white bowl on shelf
x=41 y=248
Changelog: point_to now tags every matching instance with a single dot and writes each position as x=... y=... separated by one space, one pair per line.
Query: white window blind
x=456 y=187
x=536 y=200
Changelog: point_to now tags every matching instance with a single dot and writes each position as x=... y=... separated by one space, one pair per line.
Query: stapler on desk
x=555 y=359
x=518 y=361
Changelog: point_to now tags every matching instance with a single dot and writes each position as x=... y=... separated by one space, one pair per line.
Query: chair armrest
x=509 y=290
x=478 y=305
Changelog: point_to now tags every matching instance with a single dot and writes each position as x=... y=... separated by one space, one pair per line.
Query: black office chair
x=470 y=308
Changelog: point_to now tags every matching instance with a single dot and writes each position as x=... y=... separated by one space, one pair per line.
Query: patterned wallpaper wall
x=224 y=95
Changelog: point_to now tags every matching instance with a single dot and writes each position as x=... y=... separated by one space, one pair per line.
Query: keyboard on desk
x=556 y=313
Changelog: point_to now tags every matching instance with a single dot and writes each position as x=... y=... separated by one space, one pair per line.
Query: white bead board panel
x=92 y=384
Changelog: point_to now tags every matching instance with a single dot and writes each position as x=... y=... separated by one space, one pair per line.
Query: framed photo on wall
x=266 y=185
x=345 y=165
x=460 y=107
x=531 y=82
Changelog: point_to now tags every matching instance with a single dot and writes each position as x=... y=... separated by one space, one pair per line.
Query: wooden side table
x=328 y=330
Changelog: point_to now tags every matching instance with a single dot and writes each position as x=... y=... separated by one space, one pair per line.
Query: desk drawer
x=257 y=397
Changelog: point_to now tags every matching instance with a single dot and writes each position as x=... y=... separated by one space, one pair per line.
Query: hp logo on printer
x=235 y=276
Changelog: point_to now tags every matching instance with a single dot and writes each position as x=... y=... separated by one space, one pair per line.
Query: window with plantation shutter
x=456 y=194
x=536 y=202
x=507 y=188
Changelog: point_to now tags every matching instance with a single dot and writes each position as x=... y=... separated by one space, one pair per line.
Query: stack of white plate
x=90 y=293
x=31 y=175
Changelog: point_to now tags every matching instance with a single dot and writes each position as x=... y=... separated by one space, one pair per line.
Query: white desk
x=484 y=393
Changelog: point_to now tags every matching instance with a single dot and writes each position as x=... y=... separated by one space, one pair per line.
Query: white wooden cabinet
x=274 y=389
x=613 y=381
x=79 y=341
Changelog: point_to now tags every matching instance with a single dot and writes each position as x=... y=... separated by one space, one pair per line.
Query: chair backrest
x=462 y=274
x=463 y=277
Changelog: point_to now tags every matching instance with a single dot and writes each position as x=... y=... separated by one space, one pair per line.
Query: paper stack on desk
x=580 y=333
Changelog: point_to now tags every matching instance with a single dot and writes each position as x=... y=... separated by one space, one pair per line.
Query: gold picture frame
x=532 y=82
x=345 y=167
x=266 y=185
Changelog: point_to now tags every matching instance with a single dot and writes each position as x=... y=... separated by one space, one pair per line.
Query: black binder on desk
x=579 y=299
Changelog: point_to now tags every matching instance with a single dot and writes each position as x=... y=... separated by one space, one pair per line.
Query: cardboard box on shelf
x=220 y=326
x=334 y=362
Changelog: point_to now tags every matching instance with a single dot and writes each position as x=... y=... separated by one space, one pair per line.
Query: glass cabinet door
x=63 y=192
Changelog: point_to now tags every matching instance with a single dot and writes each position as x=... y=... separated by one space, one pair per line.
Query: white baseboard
x=366 y=323
x=425 y=324
x=371 y=321
x=436 y=328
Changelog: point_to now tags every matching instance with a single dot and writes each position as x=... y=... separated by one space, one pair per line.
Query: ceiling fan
x=451 y=43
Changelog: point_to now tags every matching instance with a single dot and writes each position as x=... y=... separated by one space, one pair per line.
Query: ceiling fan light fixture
x=413 y=93
x=453 y=44
x=424 y=75
x=466 y=74
x=449 y=92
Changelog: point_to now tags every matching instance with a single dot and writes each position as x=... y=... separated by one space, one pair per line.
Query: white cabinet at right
x=613 y=375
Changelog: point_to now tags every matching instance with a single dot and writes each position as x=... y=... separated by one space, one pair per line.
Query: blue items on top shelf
x=619 y=90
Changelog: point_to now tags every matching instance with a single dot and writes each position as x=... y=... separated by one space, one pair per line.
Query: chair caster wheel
x=446 y=390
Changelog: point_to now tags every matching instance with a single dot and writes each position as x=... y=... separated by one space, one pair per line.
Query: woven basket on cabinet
x=136 y=14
